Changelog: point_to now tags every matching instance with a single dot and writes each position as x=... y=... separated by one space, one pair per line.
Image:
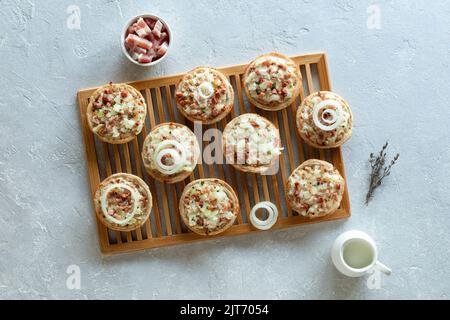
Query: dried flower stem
x=379 y=170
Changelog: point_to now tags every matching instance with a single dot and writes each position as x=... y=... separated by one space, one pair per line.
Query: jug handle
x=383 y=268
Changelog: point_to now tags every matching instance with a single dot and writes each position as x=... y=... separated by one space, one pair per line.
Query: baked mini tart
x=116 y=113
x=251 y=143
x=324 y=120
x=170 y=152
x=204 y=94
x=272 y=81
x=208 y=206
x=123 y=202
x=315 y=189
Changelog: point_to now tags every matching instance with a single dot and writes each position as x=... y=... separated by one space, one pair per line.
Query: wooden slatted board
x=165 y=227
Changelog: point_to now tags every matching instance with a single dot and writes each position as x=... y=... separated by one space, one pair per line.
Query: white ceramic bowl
x=125 y=29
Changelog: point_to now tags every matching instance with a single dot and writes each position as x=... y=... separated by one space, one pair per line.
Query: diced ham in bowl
x=146 y=39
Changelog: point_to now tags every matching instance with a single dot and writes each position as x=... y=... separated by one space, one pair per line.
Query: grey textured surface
x=396 y=79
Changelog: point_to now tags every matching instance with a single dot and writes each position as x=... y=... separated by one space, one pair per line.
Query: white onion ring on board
x=130 y=215
x=336 y=115
x=169 y=147
x=270 y=221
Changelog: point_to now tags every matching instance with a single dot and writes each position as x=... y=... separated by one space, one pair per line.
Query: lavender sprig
x=379 y=170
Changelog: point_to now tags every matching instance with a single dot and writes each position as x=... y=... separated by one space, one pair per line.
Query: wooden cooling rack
x=164 y=227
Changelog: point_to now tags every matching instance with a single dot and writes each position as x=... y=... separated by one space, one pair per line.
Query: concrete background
x=396 y=78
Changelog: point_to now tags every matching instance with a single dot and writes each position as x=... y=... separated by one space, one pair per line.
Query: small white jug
x=354 y=253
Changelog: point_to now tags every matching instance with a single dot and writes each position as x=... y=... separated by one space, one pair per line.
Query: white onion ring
x=270 y=221
x=205 y=87
x=179 y=160
x=336 y=115
x=165 y=143
x=333 y=114
x=171 y=152
x=130 y=215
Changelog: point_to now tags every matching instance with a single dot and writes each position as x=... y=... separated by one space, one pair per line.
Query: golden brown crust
x=98 y=209
x=231 y=194
x=299 y=122
x=312 y=162
x=274 y=106
x=175 y=177
x=89 y=111
x=248 y=168
x=227 y=108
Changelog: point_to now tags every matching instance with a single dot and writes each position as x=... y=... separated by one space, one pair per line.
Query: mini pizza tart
x=123 y=202
x=251 y=143
x=324 y=120
x=208 y=206
x=204 y=94
x=170 y=152
x=116 y=113
x=272 y=81
x=315 y=188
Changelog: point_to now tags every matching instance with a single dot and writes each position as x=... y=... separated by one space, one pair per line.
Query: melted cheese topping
x=251 y=140
x=208 y=206
x=204 y=94
x=117 y=113
x=272 y=80
x=172 y=132
x=311 y=132
x=124 y=201
x=315 y=190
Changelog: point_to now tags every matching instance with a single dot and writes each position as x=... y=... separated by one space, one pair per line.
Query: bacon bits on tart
x=324 y=120
x=208 y=206
x=116 y=113
x=123 y=202
x=170 y=152
x=272 y=81
x=315 y=188
x=205 y=95
x=251 y=143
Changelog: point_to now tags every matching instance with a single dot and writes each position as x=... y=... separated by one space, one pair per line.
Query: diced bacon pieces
x=162 y=50
x=133 y=39
x=139 y=50
x=135 y=56
x=143 y=58
x=142 y=28
x=157 y=29
x=147 y=40
x=143 y=25
x=141 y=33
x=151 y=37
x=150 y=22
x=151 y=53
x=132 y=29
x=144 y=43
x=163 y=36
